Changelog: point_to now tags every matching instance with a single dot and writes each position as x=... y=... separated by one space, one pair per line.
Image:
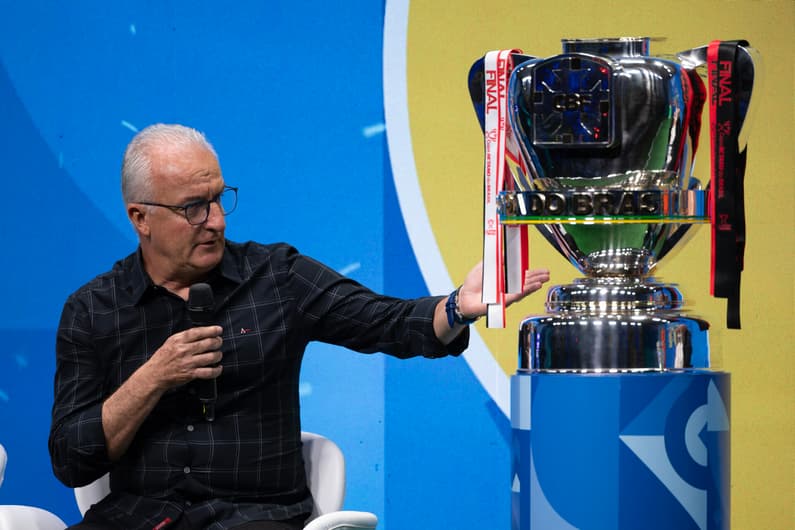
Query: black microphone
x=200 y=311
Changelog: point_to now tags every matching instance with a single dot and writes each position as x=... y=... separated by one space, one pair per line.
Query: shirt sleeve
x=339 y=310
x=77 y=440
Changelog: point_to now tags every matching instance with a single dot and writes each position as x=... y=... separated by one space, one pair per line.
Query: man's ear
x=139 y=218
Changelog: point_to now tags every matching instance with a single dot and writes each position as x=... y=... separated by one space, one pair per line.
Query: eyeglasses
x=197 y=212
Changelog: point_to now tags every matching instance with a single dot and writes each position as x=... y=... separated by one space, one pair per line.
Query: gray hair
x=136 y=168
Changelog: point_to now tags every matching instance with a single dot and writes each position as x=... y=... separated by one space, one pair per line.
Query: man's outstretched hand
x=470 y=295
x=470 y=303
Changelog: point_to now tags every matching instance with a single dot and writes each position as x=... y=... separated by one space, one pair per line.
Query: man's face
x=174 y=250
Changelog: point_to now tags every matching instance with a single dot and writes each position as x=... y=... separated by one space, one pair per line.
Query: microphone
x=200 y=311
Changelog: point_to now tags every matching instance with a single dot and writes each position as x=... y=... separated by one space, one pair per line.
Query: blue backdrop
x=290 y=95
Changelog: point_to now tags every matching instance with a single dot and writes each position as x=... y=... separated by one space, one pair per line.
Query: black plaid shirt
x=246 y=465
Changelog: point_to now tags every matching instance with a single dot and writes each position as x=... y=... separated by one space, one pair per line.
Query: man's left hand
x=470 y=295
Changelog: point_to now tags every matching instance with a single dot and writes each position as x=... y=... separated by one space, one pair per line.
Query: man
x=129 y=360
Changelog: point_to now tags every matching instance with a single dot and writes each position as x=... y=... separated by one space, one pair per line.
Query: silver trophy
x=607 y=135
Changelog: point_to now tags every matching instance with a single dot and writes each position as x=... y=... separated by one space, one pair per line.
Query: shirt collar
x=140 y=283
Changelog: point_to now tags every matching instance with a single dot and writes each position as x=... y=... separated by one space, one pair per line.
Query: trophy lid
x=611 y=47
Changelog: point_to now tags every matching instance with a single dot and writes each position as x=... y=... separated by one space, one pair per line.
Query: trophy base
x=611 y=325
x=620 y=451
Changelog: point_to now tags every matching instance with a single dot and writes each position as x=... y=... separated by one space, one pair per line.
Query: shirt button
x=186 y=469
x=190 y=428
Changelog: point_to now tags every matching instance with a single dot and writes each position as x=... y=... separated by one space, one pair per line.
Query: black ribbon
x=728 y=174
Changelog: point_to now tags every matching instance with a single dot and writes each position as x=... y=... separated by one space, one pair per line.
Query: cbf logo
x=571 y=102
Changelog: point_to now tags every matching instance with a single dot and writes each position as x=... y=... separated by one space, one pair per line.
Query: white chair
x=18 y=517
x=325 y=475
x=3 y=460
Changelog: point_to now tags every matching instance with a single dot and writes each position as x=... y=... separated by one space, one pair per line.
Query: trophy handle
x=750 y=68
x=477 y=85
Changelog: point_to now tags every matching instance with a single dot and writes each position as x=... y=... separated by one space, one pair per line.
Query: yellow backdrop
x=444 y=39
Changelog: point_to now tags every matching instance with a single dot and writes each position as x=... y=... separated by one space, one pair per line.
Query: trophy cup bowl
x=607 y=135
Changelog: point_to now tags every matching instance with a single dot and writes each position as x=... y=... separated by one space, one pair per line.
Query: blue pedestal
x=623 y=451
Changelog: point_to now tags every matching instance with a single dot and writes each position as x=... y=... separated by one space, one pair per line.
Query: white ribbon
x=504 y=247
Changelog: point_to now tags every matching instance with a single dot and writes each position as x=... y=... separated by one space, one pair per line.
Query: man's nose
x=216 y=218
